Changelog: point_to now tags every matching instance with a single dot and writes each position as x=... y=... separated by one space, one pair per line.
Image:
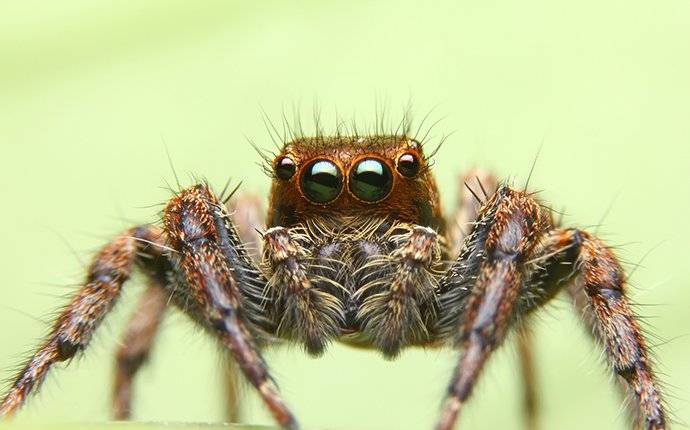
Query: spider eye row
x=370 y=179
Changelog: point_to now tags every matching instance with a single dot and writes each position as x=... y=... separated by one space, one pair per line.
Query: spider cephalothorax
x=354 y=249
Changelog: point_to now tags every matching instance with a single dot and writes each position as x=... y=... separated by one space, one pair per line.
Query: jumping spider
x=355 y=249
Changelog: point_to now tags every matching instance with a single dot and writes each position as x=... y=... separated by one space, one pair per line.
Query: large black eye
x=370 y=180
x=408 y=165
x=321 y=181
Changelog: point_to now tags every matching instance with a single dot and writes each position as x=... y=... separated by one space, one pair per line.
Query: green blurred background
x=89 y=90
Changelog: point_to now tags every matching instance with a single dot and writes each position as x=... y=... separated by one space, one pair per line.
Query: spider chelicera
x=355 y=249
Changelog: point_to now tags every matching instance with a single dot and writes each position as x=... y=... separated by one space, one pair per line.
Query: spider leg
x=75 y=325
x=530 y=397
x=247 y=213
x=308 y=315
x=588 y=268
x=513 y=263
x=584 y=311
x=213 y=265
x=398 y=296
x=145 y=322
x=397 y=300
x=506 y=232
x=136 y=346
x=475 y=186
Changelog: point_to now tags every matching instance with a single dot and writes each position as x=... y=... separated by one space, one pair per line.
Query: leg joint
x=66 y=349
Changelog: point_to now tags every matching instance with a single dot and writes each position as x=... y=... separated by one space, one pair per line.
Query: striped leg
x=475 y=187
x=512 y=264
x=597 y=278
x=75 y=325
x=221 y=281
x=247 y=214
x=507 y=230
x=136 y=346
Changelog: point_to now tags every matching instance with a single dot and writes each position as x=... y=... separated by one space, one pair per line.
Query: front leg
x=397 y=298
x=305 y=304
x=144 y=324
x=222 y=284
x=482 y=287
x=475 y=187
x=512 y=264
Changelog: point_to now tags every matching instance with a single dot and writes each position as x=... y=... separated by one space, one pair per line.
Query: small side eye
x=285 y=168
x=408 y=165
x=321 y=181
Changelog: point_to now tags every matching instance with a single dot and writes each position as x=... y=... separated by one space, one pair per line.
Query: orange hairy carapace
x=413 y=198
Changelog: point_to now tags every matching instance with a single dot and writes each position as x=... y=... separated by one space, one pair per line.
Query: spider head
x=376 y=176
